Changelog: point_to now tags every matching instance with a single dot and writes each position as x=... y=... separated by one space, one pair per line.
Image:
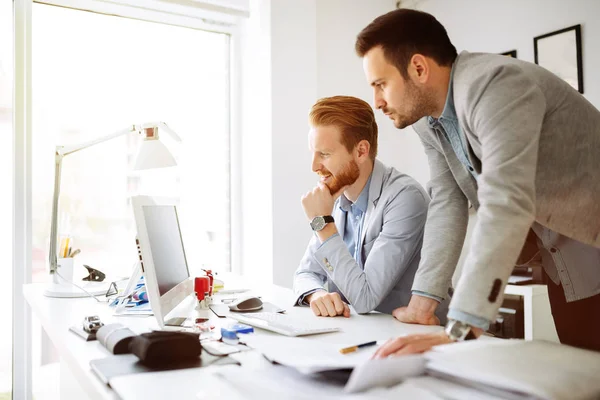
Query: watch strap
x=470 y=336
x=328 y=219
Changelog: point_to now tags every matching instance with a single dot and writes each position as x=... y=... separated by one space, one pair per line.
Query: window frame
x=191 y=14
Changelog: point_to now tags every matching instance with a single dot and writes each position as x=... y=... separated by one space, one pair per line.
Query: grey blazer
x=390 y=245
x=538 y=140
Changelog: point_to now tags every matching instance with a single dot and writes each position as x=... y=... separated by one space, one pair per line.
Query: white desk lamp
x=151 y=154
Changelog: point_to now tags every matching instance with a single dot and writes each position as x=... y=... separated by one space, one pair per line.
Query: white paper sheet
x=279 y=382
x=385 y=372
x=523 y=369
x=307 y=356
x=447 y=390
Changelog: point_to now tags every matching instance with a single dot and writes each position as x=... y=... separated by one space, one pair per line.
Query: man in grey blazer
x=516 y=142
x=368 y=218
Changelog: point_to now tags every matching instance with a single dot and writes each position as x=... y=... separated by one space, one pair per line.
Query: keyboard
x=280 y=323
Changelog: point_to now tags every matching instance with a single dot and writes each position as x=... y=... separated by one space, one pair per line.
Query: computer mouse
x=246 y=303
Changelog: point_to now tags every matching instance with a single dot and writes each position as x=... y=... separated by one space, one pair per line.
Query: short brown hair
x=403 y=33
x=353 y=116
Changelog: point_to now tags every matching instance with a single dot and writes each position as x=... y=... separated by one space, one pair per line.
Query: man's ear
x=362 y=150
x=419 y=68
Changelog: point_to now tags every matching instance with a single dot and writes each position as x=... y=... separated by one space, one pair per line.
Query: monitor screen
x=166 y=245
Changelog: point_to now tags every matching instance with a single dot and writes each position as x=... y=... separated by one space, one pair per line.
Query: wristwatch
x=458 y=331
x=318 y=223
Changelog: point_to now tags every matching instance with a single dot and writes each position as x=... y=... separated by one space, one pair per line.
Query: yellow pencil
x=61 y=248
x=351 y=349
x=66 y=248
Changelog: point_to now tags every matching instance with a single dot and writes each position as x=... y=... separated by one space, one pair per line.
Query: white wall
x=256 y=143
x=294 y=40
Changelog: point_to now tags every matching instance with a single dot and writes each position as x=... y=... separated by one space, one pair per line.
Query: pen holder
x=65 y=269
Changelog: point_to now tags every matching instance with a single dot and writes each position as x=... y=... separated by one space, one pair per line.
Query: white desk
x=78 y=381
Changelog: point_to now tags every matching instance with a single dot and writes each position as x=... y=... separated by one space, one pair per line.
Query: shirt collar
x=449 y=112
x=361 y=203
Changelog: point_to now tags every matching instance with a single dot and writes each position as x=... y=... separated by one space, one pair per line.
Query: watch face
x=457 y=330
x=317 y=223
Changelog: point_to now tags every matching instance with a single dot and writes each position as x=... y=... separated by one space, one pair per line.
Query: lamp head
x=152 y=153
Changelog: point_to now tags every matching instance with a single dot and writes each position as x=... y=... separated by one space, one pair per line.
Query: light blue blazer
x=392 y=235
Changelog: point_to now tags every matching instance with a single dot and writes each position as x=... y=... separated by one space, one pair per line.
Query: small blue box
x=232 y=331
x=241 y=328
x=230 y=334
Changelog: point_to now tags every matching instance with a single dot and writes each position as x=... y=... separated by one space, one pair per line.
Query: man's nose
x=315 y=164
x=379 y=101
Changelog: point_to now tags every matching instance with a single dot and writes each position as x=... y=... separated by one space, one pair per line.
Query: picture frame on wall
x=510 y=53
x=560 y=53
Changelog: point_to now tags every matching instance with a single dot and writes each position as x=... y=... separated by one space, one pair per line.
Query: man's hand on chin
x=420 y=310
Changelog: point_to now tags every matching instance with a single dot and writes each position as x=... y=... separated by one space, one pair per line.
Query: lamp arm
x=53 y=222
x=66 y=150
x=60 y=153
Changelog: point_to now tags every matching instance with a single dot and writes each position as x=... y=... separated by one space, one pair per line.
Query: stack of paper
x=517 y=369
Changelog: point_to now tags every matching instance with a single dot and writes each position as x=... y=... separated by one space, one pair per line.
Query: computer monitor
x=162 y=253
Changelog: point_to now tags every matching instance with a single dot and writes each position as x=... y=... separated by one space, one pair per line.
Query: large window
x=94 y=74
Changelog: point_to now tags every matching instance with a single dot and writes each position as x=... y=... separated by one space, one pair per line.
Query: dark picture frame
x=510 y=53
x=560 y=53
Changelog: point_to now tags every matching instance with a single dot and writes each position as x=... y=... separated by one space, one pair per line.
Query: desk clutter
x=115 y=337
x=287 y=366
x=253 y=364
x=150 y=352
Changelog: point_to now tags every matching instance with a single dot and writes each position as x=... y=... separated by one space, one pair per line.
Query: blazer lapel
x=374 y=194
x=339 y=218
x=473 y=159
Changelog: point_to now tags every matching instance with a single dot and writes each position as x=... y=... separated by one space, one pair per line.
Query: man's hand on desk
x=420 y=310
x=327 y=304
x=418 y=343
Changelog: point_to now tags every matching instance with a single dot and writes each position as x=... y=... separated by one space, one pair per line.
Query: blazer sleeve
x=506 y=111
x=445 y=229
x=309 y=274
x=394 y=248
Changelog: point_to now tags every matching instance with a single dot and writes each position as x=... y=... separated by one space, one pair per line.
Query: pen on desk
x=351 y=349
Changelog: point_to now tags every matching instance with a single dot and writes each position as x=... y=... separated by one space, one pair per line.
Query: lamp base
x=68 y=290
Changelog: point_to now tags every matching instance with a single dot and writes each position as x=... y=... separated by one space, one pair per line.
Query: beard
x=422 y=104
x=347 y=176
